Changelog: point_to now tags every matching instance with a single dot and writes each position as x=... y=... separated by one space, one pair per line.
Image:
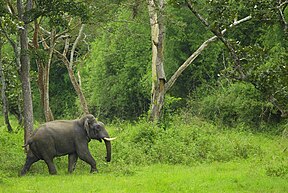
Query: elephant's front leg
x=72 y=159
x=85 y=155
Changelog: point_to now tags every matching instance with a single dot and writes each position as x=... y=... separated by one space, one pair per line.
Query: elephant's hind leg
x=51 y=166
x=30 y=159
x=72 y=159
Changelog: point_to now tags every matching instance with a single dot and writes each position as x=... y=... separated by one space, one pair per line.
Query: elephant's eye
x=97 y=128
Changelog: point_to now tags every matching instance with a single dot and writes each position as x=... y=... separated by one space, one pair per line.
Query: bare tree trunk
x=78 y=90
x=69 y=63
x=44 y=71
x=5 y=106
x=48 y=113
x=24 y=71
x=73 y=79
x=158 y=75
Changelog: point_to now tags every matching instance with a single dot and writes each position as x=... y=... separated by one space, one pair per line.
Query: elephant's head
x=96 y=130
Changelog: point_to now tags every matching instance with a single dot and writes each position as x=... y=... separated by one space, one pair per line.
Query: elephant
x=66 y=137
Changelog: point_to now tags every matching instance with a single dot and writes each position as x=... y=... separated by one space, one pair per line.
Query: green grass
x=191 y=156
x=237 y=177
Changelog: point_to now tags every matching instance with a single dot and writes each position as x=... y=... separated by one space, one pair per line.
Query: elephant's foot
x=23 y=172
x=52 y=169
x=53 y=172
x=93 y=170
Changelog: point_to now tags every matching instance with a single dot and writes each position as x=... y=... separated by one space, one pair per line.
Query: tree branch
x=281 y=4
x=220 y=36
x=75 y=45
x=179 y=71
x=281 y=8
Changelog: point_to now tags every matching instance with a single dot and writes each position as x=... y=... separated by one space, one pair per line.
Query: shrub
x=277 y=167
x=196 y=142
x=237 y=103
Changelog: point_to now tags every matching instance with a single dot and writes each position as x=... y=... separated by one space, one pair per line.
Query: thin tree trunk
x=44 y=71
x=48 y=113
x=78 y=90
x=75 y=83
x=5 y=106
x=24 y=72
x=73 y=79
x=17 y=52
x=69 y=63
x=158 y=75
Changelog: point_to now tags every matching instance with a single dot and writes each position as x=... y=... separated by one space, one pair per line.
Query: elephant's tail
x=27 y=143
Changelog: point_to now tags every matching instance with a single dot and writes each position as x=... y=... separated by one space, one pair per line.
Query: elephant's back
x=59 y=124
x=55 y=129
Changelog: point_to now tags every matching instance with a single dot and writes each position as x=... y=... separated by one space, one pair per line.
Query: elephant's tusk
x=109 y=139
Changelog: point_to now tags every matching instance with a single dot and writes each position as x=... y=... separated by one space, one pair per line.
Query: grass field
x=234 y=176
x=187 y=157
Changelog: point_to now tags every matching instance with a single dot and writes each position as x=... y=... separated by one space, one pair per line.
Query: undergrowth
x=187 y=141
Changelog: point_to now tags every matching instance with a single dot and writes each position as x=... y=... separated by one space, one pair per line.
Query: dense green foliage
x=248 y=106
x=115 y=76
x=115 y=60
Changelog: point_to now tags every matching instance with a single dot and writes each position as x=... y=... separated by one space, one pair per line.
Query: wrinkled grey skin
x=66 y=137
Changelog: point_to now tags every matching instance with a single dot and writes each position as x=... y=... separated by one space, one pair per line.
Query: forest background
x=241 y=78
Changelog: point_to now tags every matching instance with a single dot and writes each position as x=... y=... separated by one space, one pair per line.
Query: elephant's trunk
x=108 y=150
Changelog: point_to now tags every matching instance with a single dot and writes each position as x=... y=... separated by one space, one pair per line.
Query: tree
x=60 y=14
x=159 y=84
x=155 y=9
x=69 y=63
x=9 y=25
x=5 y=106
x=44 y=68
x=22 y=59
x=25 y=68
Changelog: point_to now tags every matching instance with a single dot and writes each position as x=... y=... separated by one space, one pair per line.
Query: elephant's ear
x=86 y=127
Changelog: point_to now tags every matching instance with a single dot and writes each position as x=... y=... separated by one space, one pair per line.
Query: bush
x=277 y=167
x=196 y=142
x=232 y=105
x=11 y=152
